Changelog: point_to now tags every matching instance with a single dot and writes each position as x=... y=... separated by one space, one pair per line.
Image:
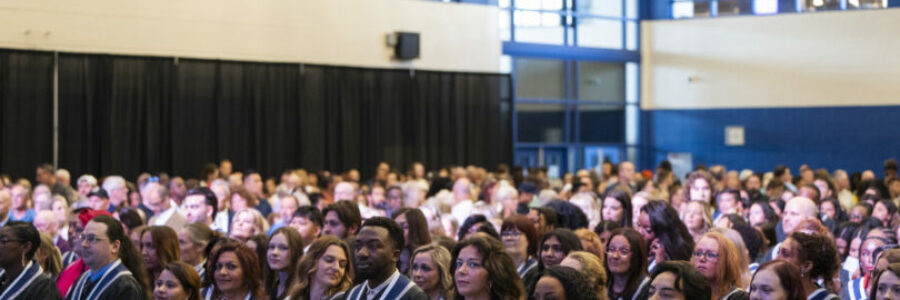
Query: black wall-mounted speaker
x=407 y=46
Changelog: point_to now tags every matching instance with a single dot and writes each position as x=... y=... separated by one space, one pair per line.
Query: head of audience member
x=46 y=174
x=659 y=221
x=177 y=280
x=345 y=191
x=590 y=242
x=246 y=223
x=104 y=241
x=18 y=243
x=326 y=265
x=626 y=260
x=177 y=188
x=394 y=197
x=200 y=205
x=342 y=219
x=699 y=187
x=415 y=227
x=462 y=190
x=814 y=254
x=678 y=280
x=868 y=249
x=886 y=284
x=42 y=200
x=563 y=283
x=884 y=211
x=155 y=196
x=555 y=245
x=233 y=269
x=379 y=243
x=729 y=202
x=696 y=217
x=626 y=173
x=159 y=246
x=797 y=210
x=283 y=254
x=604 y=229
x=519 y=238
x=809 y=191
x=543 y=219
x=20 y=197
x=716 y=257
x=192 y=241
x=241 y=198
x=430 y=270
x=590 y=266
x=616 y=207
x=222 y=189
x=45 y=221
x=85 y=184
x=98 y=199
x=482 y=269
x=253 y=182
x=308 y=221
x=225 y=168
x=777 y=279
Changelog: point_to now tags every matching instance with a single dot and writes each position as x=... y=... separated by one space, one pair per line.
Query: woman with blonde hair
x=48 y=256
x=324 y=272
x=430 y=270
x=697 y=218
x=591 y=266
x=248 y=222
x=717 y=259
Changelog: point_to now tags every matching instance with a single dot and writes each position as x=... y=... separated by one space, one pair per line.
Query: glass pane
x=541 y=123
x=821 y=5
x=504 y=25
x=540 y=4
x=536 y=27
x=600 y=33
x=765 y=7
x=609 y=8
x=735 y=7
x=601 y=82
x=631 y=82
x=600 y=124
x=682 y=9
x=503 y=3
x=866 y=4
x=631 y=35
x=631 y=9
x=540 y=78
x=594 y=157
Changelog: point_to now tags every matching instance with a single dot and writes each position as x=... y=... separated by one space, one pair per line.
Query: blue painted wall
x=850 y=138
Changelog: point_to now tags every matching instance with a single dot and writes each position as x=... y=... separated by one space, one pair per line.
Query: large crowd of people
x=457 y=232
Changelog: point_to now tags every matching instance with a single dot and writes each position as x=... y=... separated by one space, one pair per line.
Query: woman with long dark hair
x=616 y=207
x=483 y=270
x=660 y=222
x=283 y=253
x=234 y=271
x=159 y=247
x=626 y=265
x=178 y=281
x=415 y=233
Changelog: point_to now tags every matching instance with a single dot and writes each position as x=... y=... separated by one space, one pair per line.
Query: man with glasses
x=72 y=262
x=110 y=257
x=21 y=277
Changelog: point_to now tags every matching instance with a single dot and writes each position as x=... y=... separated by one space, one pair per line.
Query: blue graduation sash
x=69 y=258
x=394 y=290
x=208 y=291
x=115 y=271
x=529 y=264
x=28 y=275
x=822 y=294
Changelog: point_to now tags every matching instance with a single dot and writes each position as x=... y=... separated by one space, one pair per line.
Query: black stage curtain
x=126 y=115
x=26 y=110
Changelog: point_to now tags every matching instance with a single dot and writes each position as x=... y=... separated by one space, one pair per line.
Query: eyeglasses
x=622 y=251
x=511 y=233
x=90 y=238
x=708 y=254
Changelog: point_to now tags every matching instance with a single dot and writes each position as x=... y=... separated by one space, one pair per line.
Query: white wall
x=454 y=37
x=849 y=58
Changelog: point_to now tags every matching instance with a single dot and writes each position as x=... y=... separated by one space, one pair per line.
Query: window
x=540 y=78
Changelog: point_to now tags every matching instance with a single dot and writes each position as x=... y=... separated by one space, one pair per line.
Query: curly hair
x=573 y=282
x=249 y=266
x=441 y=258
x=692 y=178
x=789 y=276
x=592 y=267
x=499 y=265
x=821 y=252
x=309 y=265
